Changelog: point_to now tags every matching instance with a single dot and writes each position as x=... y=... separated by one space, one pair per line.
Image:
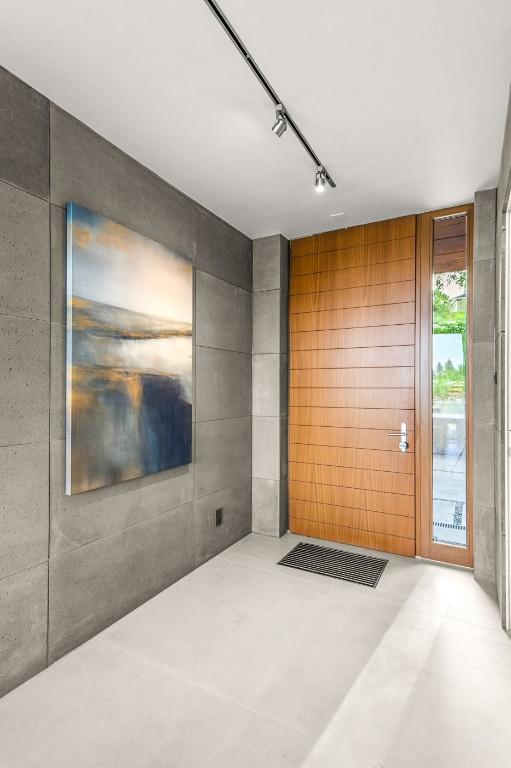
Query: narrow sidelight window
x=449 y=362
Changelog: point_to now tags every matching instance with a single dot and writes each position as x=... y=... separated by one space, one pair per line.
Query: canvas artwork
x=129 y=354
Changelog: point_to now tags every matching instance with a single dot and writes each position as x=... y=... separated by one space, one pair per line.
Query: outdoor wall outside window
x=449 y=380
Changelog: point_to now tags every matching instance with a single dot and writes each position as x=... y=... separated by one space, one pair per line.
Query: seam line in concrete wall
x=24 y=570
x=31 y=442
x=56 y=555
x=223 y=280
x=21 y=189
x=224 y=418
x=26 y=317
x=271 y=290
x=223 y=349
x=234 y=285
x=223 y=488
x=119 y=532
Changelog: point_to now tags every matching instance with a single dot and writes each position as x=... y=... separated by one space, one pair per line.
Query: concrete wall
x=503 y=196
x=483 y=398
x=270 y=386
x=69 y=566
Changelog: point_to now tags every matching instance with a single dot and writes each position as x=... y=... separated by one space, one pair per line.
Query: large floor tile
x=245 y=663
x=286 y=648
x=443 y=702
x=422 y=585
x=449 y=591
x=264 y=552
x=100 y=708
x=257 y=742
x=458 y=712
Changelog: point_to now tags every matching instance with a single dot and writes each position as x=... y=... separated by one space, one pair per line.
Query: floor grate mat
x=360 y=569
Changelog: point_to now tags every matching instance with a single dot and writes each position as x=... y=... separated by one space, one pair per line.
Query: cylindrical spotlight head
x=280 y=124
x=320 y=179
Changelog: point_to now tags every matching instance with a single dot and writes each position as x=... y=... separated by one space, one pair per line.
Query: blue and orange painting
x=129 y=354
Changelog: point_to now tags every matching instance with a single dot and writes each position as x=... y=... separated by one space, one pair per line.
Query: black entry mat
x=361 y=569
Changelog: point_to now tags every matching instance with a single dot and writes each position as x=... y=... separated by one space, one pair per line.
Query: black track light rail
x=224 y=21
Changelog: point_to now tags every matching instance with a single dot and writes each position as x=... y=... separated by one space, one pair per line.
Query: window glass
x=449 y=364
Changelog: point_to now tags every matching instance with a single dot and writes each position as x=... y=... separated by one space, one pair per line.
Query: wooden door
x=352 y=381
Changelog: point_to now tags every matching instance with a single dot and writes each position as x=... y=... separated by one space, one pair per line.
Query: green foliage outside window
x=450 y=316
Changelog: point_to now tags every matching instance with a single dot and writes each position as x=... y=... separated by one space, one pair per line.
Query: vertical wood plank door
x=352 y=381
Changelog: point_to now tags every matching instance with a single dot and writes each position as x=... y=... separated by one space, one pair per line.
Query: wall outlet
x=219 y=516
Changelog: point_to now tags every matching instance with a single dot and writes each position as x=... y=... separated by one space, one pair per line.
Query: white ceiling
x=403 y=100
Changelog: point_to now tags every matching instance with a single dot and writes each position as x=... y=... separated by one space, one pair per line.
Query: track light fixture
x=283 y=118
x=280 y=124
x=320 y=179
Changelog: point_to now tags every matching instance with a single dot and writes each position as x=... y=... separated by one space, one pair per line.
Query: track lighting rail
x=277 y=101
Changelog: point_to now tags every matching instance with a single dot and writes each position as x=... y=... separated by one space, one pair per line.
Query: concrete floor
x=247 y=664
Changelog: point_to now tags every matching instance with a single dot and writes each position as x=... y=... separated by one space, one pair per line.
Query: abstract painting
x=129 y=354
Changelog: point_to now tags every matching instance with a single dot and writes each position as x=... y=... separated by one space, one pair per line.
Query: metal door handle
x=403 y=443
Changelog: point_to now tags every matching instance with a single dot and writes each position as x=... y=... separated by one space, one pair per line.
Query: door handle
x=403 y=443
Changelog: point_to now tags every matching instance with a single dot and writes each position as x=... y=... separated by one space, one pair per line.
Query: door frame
x=425 y=546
